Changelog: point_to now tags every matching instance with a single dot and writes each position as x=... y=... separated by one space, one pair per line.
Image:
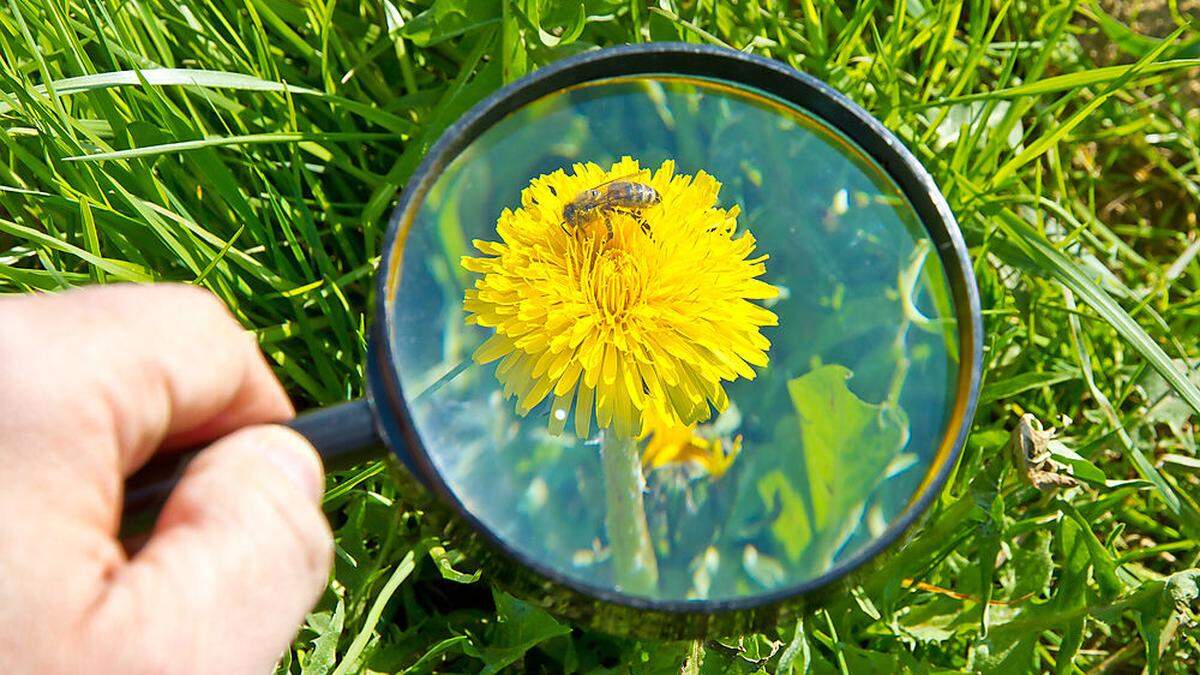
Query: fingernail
x=298 y=461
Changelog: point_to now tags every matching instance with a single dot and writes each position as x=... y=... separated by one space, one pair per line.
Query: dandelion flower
x=630 y=311
x=680 y=444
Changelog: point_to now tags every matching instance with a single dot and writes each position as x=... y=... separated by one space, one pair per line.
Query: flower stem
x=634 y=565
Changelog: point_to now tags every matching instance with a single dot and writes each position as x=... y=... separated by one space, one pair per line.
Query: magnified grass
x=255 y=149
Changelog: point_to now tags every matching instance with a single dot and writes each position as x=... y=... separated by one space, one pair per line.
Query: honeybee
x=618 y=193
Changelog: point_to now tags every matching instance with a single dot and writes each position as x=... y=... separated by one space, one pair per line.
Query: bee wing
x=617 y=178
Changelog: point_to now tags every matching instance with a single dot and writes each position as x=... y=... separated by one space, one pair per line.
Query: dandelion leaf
x=848 y=444
x=519 y=628
x=328 y=627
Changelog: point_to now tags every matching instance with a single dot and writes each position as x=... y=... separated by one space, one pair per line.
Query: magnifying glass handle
x=343 y=434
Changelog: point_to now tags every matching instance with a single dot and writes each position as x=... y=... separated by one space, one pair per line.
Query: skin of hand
x=92 y=383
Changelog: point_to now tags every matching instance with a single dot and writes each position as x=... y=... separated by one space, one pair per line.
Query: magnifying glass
x=678 y=334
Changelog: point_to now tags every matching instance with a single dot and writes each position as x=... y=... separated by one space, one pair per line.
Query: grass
x=1065 y=141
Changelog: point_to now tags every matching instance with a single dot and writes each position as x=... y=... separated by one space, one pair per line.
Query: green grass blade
x=401 y=573
x=225 y=141
x=162 y=77
x=1065 y=82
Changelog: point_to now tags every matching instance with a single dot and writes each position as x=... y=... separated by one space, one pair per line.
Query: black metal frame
x=578 y=600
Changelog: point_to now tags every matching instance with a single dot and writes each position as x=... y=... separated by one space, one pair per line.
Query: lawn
x=1064 y=135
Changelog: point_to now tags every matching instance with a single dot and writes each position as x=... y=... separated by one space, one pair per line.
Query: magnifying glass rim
x=740 y=70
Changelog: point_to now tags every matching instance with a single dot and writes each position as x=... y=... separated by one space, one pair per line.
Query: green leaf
x=226 y=141
x=1019 y=384
x=938 y=620
x=859 y=660
x=210 y=79
x=1072 y=640
x=694 y=660
x=756 y=647
x=1104 y=567
x=566 y=18
x=120 y=269
x=324 y=652
x=791 y=527
x=446 y=19
x=988 y=538
x=365 y=634
x=1032 y=566
x=1160 y=601
x=1164 y=406
x=519 y=627
x=797 y=656
x=162 y=77
x=1067 y=82
x=423 y=664
x=1006 y=655
x=1081 y=467
x=848 y=444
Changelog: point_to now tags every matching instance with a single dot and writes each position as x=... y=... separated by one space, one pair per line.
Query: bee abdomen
x=629 y=193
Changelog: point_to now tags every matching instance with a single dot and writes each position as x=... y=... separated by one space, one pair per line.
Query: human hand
x=92 y=383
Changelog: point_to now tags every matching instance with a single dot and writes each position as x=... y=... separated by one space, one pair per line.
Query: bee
x=618 y=193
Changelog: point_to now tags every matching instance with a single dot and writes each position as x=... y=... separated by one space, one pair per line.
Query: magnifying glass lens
x=672 y=339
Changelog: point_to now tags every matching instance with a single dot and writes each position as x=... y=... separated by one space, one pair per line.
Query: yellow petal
x=496 y=346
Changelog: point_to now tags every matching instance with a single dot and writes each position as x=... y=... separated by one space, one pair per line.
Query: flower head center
x=616 y=285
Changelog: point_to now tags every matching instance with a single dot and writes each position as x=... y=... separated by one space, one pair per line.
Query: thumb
x=240 y=553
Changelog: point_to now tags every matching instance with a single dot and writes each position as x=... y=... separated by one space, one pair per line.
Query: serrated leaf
x=519 y=627
x=1008 y=655
x=848 y=444
x=757 y=647
x=324 y=652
